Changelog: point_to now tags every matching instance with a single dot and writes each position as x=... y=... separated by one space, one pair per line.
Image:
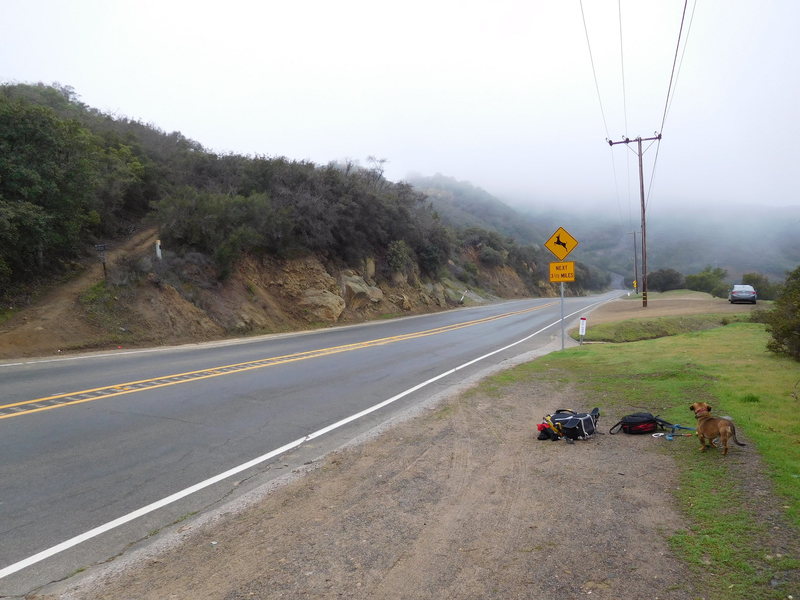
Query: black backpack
x=569 y=424
x=640 y=422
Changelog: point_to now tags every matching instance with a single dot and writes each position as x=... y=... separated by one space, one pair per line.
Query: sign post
x=101 y=253
x=561 y=243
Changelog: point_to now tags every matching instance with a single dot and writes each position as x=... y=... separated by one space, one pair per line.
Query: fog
x=500 y=94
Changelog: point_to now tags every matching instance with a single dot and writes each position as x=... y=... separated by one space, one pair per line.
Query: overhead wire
x=670 y=88
x=622 y=68
x=624 y=111
x=674 y=63
x=600 y=102
x=594 y=71
x=675 y=71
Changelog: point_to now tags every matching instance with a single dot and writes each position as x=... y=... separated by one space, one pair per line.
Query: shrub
x=764 y=287
x=491 y=257
x=664 y=280
x=783 y=321
x=709 y=280
x=398 y=255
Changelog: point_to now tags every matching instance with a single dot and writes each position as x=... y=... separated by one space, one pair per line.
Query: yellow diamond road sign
x=561 y=243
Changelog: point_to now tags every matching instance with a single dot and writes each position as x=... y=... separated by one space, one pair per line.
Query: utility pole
x=641 y=195
x=635 y=264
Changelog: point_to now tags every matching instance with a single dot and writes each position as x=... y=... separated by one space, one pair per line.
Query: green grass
x=730 y=368
x=633 y=330
x=101 y=305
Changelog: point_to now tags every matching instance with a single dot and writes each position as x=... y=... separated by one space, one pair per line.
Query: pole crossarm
x=627 y=140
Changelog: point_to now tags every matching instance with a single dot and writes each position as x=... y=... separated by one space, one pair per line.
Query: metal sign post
x=562 y=315
x=561 y=243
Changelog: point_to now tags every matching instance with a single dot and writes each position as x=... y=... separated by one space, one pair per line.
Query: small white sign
x=583 y=326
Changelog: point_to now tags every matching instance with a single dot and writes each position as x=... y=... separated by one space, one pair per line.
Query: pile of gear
x=571 y=425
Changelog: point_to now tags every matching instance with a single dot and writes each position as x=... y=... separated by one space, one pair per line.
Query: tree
x=765 y=289
x=709 y=280
x=783 y=321
x=664 y=280
x=47 y=176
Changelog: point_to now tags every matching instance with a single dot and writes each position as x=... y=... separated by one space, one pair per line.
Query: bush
x=765 y=289
x=491 y=257
x=720 y=290
x=664 y=280
x=708 y=280
x=783 y=321
x=398 y=255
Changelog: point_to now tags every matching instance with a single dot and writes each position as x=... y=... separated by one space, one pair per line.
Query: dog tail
x=733 y=431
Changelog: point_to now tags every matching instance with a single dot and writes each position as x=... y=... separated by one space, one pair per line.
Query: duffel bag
x=641 y=422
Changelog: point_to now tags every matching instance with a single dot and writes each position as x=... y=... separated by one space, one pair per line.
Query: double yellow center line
x=16 y=409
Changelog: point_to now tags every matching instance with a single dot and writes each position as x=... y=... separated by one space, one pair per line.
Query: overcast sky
x=499 y=93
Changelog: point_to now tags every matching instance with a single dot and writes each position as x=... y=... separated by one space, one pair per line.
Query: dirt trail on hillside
x=462 y=502
x=52 y=322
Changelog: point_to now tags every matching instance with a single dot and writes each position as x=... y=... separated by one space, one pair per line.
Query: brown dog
x=709 y=427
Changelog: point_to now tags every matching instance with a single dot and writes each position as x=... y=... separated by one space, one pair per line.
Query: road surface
x=101 y=450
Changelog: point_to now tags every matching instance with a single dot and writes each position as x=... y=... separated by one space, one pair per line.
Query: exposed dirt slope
x=180 y=299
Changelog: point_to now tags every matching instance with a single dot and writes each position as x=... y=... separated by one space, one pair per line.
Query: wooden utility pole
x=635 y=264
x=641 y=195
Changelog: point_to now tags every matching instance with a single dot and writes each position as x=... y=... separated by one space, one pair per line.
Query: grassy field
x=633 y=330
x=729 y=368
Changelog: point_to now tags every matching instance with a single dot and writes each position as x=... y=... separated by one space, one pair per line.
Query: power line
x=683 y=53
x=600 y=102
x=668 y=103
x=622 y=68
x=594 y=71
x=674 y=62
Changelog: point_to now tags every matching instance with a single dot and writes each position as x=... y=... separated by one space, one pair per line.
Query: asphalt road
x=93 y=439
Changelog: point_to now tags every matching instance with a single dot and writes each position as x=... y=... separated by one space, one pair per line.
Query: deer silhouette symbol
x=558 y=242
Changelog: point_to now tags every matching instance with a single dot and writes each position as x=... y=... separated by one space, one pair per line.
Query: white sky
x=498 y=93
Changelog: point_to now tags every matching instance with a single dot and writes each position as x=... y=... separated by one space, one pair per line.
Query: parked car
x=742 y=293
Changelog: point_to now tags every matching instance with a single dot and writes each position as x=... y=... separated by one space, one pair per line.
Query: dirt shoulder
x=461 y=502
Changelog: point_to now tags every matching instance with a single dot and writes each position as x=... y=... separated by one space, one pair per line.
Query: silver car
x=742 y=293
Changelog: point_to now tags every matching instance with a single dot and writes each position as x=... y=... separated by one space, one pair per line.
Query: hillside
x=71 y=177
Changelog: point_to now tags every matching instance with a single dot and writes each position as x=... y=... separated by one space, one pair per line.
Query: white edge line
x=79 y=539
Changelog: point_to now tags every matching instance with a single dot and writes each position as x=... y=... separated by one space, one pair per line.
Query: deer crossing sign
x=561 y=243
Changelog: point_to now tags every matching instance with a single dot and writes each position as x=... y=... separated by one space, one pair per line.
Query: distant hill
x=740 y=239
x=460 y=204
